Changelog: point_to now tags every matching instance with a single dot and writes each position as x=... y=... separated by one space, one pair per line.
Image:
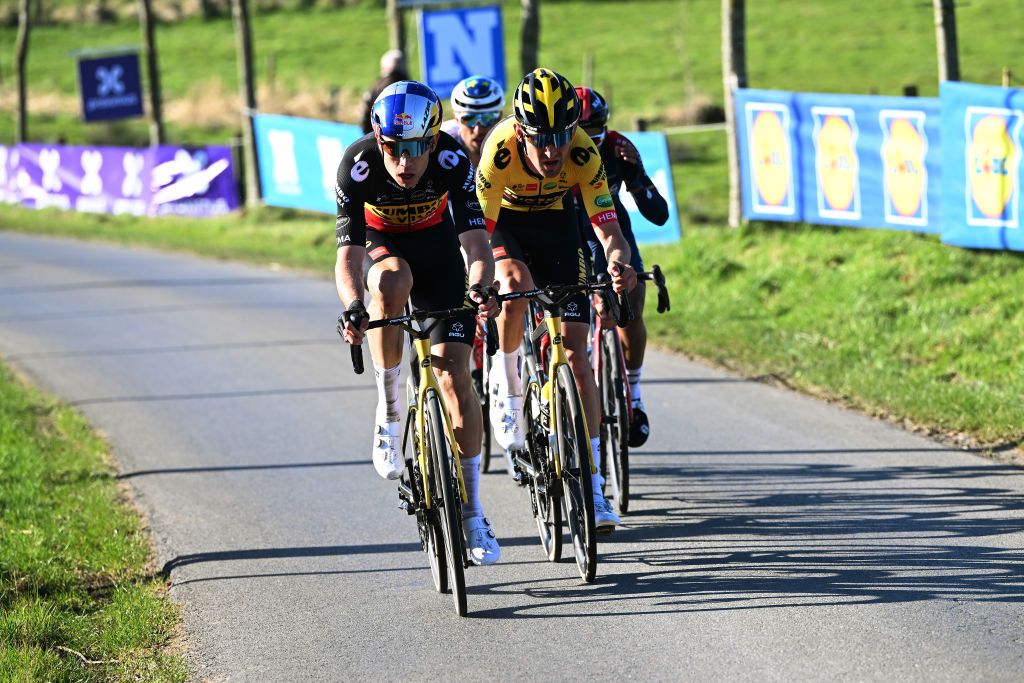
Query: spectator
x=392 y=70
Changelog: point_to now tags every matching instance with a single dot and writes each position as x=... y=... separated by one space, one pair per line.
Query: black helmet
x=546 y=102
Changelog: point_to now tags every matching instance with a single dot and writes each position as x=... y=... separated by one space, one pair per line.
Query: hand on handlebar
x=485 y=298
x=353 y=322
x=623 y=277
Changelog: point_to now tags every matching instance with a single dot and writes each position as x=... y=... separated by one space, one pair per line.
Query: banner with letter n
x=982 y=152
x=459 y=43
x=855 y=160
x=298 y=160
x=110 y=87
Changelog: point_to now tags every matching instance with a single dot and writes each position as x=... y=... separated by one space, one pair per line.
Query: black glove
x=485 y=292
x=355 y=314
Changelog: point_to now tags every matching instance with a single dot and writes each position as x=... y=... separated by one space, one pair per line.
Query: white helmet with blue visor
x=406 y=118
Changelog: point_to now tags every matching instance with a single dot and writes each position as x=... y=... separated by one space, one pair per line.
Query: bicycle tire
x=429 y=524
x=577 y=486
x=480 y=384
x=615 y=426
x=546 y=507
x=445 y=499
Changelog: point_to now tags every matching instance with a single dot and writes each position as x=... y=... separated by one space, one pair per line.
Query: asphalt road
x=771 y=537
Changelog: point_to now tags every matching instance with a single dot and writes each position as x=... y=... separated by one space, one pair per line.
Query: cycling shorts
x=548 y=242
x=438 y=275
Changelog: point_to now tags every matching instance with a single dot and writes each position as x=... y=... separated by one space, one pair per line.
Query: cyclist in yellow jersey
x=529 y=163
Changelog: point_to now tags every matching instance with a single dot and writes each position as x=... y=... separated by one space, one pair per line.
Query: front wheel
x=614 y=421
x=543 y=486
x=577 y=482
x=446 y=500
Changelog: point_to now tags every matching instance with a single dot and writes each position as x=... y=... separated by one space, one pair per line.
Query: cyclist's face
x=405 y=168
x=546 y=159
x=474 y=128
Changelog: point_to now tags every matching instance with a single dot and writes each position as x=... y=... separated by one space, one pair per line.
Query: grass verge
x=77 y=602
x=892 y=323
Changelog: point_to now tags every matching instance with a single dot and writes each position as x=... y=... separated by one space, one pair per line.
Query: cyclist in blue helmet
x=395 y=186
x=477 y=102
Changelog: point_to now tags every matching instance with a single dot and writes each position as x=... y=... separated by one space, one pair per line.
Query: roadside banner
x=147 y=181
x=110 y=87
x=855 y=160
x=653 y=150
x=982 y=128
x=459 y=43
x=298 y=160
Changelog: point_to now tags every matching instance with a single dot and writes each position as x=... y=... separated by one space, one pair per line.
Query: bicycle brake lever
x=663 y=301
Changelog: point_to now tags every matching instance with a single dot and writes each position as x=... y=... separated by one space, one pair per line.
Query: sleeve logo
x=604 y=201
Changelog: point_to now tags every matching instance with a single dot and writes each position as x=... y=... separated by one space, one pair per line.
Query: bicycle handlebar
x=658 y=277
x=557 y=295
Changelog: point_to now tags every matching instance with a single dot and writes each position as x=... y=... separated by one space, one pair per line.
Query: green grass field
x=76 y=599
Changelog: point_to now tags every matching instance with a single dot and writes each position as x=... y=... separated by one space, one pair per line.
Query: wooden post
x=1007 y=77
x=243 y=39
x=945 y=39
x=396 y=26
x=530 y=41
x=588 y=70
x=734 y=75
x=156 y=117
x=21 y=57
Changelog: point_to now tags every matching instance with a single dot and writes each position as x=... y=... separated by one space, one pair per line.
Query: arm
x=648 y=200
x=350 y=233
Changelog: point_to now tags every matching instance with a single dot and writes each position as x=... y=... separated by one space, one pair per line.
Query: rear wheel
x=615 y=421
x=446 y=501
x=577 y=486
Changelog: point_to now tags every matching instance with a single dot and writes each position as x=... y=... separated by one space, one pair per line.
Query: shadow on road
x=761 y=535
x=219 y=395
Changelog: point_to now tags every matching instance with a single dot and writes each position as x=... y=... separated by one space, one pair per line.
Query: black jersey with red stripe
x=368 y=197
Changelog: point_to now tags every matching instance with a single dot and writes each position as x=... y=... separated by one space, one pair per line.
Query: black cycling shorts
x=548 y=242
x=438 y=274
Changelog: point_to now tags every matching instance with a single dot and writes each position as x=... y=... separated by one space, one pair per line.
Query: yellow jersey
x=504 y=180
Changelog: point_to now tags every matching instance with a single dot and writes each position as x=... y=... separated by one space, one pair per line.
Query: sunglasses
x=414 y=148
x=487 y=118
x=542 y=140
x=596 y=134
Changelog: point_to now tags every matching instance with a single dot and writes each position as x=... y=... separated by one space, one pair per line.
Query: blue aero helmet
x=406 y=118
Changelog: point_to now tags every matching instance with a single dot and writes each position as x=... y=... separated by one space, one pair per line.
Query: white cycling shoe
x=605 y=518
x=506 y=414
x=481 y=544
x=387 y=456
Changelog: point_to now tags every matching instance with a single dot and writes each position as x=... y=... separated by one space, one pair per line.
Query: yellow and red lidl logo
x=771 y=158
x=993 y=158
x=905 y=174
x=836 y=164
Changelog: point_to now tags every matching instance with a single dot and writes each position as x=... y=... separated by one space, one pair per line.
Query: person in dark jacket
x=392 y=70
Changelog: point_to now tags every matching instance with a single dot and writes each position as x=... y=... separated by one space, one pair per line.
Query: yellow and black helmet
x=546 y=102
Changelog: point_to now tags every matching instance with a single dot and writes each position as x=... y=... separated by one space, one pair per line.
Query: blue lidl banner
x=854 y=160
x=110 y=87
x=459 y=43
x=982 y=151
x=653 y=150
x=298 y=160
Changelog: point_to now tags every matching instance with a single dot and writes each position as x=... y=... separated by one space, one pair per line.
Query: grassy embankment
x=892 y=323
x=77 y=602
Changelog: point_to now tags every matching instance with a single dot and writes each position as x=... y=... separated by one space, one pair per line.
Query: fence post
x=21 y=58
x=396 y=26
x=156 y=121
x=734 y=75
x=530 y=35
x=1007 y=77
x=243 y=37
x=945 y=39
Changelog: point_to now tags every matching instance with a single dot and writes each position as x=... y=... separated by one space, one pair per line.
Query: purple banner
x=150 y=181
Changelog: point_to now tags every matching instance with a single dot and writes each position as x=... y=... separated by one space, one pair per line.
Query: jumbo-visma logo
x=771 y=159
x=993 y=161
x=905 y=174
x=836 y=163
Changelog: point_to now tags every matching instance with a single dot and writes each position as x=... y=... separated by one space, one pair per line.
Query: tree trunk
x=156 y=117
x=21 y=58
x=529 y=44
x=396 y=26
x=734 y=75
x=243 y=37
x=945 y=39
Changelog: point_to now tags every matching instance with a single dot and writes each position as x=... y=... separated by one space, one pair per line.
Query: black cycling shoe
x=639 y=428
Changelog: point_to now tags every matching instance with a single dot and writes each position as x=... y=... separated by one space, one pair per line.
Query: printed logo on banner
x=133 y=163
x=459 y=43
x=330 y=151
x=993 y=156
x=905 y=175
x=836 y=164
x=771 y=158
x=282 y=152
x=49 y=165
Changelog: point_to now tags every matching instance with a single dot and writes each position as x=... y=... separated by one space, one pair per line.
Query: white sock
x=597 y=479
x=387 y=393
x=633 y=377
x=471 y=477
x=505 y=367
